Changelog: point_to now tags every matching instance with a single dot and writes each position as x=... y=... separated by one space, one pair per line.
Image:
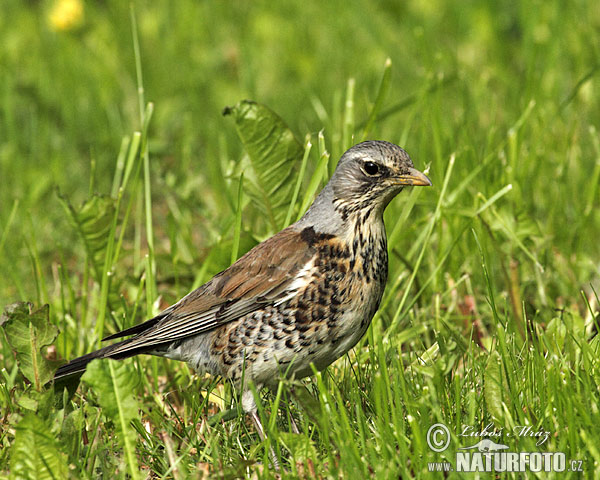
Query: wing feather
x=269 y=274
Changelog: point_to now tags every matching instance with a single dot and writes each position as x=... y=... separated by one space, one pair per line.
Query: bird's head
x=370 y=174
x=365 y=180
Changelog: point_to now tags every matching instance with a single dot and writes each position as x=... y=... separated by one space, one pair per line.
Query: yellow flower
x=66 y=15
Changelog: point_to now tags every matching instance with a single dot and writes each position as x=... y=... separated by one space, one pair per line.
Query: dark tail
x=78 y=365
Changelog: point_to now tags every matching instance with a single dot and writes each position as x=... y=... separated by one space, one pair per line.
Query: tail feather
x=79 y=364
x=140 y=328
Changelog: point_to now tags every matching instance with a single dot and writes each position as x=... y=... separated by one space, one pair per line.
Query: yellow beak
x=413 y=178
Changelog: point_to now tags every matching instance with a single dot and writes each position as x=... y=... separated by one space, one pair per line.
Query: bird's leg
x=293 y=424
x=249 y=406
x=258 y=424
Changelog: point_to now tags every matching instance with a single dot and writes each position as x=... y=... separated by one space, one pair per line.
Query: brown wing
x=265 y=275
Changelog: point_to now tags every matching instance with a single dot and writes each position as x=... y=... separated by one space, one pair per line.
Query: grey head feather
x=351 y=190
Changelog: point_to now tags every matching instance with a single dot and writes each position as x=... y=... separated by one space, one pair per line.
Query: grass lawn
x=123 y=187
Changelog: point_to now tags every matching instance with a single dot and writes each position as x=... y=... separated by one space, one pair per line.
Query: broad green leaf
x=301 y=446
x=115 y=384
x=309 y=404
x=28 y=332
x=73 y=426
x=495 y=385
x=93 y=221
x=34 y=453
x=274 y=156
x=27 y=402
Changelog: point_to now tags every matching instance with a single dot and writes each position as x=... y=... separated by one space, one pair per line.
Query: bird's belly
x=342 y=339
x=317 y=326
x=328 y=338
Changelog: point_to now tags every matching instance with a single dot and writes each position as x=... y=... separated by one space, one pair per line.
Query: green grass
x=491 y=307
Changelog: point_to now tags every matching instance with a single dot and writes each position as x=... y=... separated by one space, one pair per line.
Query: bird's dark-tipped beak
x=413 y=178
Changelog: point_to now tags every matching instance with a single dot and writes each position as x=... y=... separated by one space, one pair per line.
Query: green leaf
x=73 y=427
x=96 y=221
x=301 y=447
x=34 y=453
x=28 y=332
x=27 y=402
x=115 y=384
x=495 y=385
x=93 y=221
x=274 y=156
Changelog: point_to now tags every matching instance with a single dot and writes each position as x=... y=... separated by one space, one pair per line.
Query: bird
x=303 y=297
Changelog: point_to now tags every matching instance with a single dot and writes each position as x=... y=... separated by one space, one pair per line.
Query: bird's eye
x=371 y=168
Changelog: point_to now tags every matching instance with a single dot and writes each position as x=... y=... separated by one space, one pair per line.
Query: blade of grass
x=125 y=141
x=573 y=93
x=493 y=199
x=317 y=176
x=307 y=148
x=115 y=387
x=440 y=81
x=441 y=262
x=595 y=176
x=40 y=280
x=92 y=176
x=384 y=87
x=145 y=116
x=107 y=271
x=151 y=289
x=11 y=218
x=513 y=236
x=132 y=156
x=138 y=64
x=407 y=209
x=348 y=127
x=238 y=221
x=112 y=252
x=432 y=222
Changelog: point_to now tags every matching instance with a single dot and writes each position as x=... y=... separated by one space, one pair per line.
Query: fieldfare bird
x=304 y=296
